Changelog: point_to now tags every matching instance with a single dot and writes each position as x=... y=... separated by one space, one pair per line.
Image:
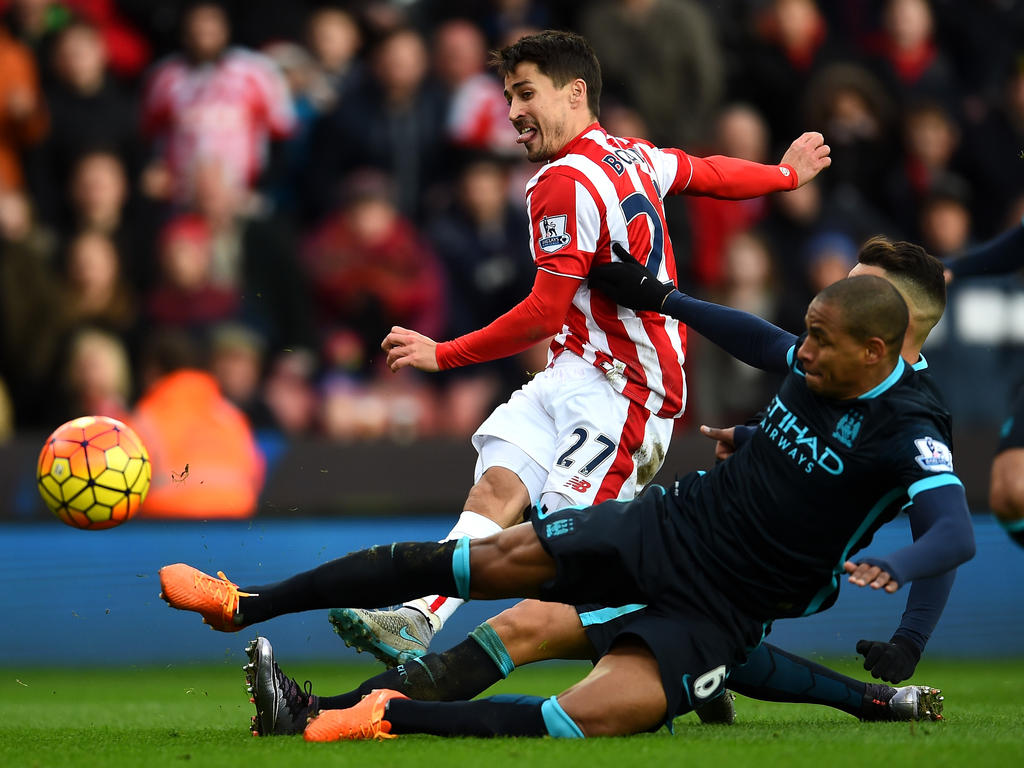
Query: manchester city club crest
x=847 y=428
x=552 y=233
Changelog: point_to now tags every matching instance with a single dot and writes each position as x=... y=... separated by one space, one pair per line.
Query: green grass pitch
x=186 y=715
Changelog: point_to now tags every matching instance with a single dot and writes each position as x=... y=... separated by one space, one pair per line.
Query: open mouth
x=526 y=134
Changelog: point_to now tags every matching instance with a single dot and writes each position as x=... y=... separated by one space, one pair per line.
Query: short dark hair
x=871 y=307
x=562 y=56
x=915 y=272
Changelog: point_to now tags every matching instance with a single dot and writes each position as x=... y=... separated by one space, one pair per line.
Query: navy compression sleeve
x=998 y=256
x=947 y=539
x=927 y=597
x=745 y=336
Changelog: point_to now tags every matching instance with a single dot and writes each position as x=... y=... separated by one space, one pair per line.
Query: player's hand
x=725 y=445
x=405 y=347
x=809 y=155
x=629 y=283
x=867 y=575
x=893 y=662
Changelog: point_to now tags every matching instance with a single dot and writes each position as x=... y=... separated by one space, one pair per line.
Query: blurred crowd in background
x=227 y=205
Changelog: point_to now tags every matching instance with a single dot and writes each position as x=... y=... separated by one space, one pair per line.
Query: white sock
x=438 y=608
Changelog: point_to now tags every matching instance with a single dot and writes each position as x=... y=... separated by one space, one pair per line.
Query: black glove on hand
x=629 y=283
x=893 y=662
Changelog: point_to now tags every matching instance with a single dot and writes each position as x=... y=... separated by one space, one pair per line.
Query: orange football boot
x=215 y=599
x=363 y=722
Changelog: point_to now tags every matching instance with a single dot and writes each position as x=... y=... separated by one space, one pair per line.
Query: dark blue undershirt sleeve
x=998 y=256
x=925 y=603
x=946 y=540
x=927 y=597
x=746 y=337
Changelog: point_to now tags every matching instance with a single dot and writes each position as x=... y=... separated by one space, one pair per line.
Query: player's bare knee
x=499 y=495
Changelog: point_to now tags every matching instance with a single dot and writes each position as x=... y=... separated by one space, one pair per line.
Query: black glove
x=893 y=662
x=629 y=283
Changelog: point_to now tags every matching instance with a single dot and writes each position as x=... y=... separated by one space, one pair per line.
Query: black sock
x=457 y=674
x=772 y=674
x=497 y=716
x=381 y=575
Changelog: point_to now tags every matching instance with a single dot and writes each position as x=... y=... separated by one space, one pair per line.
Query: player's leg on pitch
x=623 y=694
x=1006 y=486
x=567 y=438
x=512 y=563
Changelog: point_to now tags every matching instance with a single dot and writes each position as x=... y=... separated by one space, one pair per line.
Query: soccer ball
x=93 y=472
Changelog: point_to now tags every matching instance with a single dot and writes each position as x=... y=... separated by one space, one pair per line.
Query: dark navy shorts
x=1012 y=433
x=625 y=556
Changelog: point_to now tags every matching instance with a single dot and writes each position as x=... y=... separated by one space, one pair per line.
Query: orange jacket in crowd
x=23 y=117
x=206 y=463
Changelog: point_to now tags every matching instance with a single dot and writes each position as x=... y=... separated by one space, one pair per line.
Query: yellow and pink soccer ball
x=93 y=472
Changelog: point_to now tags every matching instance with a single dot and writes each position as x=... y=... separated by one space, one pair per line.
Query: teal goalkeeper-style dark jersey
x=774 y=524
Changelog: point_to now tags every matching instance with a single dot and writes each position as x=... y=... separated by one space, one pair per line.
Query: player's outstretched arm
x=895 y=661
x=743 y=335
x=998 y=256
x=538 y=316
x=946 y=542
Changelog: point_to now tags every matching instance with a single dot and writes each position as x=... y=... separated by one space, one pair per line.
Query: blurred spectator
x=504 y=21
x=98 y=377
x=748 y=283
x=290 y=394
x=312 y=95
x=370 y=269
x=88 y=110
x=790 y=44
x=35 y=23
x=663 y=57
x=994 y=147
x=100 y=202
x=127 y=49
x=187 y=295
x=931 y=139
x=31 y=312
x=945 y=219
x=851 y=108
x=982 y=40
x=334 y=40
x=904 y=54
x=477 y=111
x=253 y=255
x=206 y=463
x=23 y=118
x=488 y=269
x=740 y=132
x=392 y=121
x=95 y=289
x=211 y=101
x=236 y=362
x=829 y=257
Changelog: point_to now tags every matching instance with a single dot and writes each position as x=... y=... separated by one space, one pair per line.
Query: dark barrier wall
x=93 y=596
x=428 y=477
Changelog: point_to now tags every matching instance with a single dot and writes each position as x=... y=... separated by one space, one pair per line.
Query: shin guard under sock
x=772 y=674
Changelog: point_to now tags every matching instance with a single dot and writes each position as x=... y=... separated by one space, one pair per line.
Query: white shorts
x=568 y=434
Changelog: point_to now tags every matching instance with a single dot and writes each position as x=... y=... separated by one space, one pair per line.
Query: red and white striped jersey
x=223 y=110
x=600 y=190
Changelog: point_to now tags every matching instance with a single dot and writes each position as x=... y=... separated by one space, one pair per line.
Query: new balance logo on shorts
x=578 y=484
